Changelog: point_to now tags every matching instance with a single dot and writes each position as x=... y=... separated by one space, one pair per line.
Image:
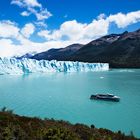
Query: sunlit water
x=66 y=96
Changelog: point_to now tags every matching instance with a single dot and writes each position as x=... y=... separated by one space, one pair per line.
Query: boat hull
x=114 y=99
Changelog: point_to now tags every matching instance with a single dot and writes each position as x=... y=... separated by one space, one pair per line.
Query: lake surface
x=66 y=96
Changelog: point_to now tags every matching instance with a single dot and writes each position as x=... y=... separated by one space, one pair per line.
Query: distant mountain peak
x=138 y=31
x=59 y=54
x=126 y=32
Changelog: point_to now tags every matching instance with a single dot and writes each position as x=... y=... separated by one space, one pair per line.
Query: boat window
x=110 y=95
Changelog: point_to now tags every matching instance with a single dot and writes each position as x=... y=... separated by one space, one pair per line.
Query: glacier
x=26 y=65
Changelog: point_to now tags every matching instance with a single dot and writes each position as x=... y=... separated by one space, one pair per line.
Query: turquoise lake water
x=66 y=96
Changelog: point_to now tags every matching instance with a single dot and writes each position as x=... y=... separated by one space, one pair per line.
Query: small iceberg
x=101 y=77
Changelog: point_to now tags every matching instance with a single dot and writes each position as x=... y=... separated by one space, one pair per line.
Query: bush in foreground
x=14 y=127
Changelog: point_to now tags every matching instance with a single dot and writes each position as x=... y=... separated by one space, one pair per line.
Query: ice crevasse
x=25 y=65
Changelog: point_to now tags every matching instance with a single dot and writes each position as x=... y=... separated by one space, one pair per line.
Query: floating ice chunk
x=101 y=77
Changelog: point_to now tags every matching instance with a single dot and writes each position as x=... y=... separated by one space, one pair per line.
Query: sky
x=33 y=26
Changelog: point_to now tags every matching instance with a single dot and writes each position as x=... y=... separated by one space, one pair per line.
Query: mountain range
x=119 y=50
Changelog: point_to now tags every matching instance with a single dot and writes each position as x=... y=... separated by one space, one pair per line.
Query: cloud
x=41 y=24
x=69 y=29
x=6 y=48
x=28 y=30
x=8 y=29
x=17 y=2
x=25 y=13
x=26 y=3
x=46 y=34
x=101 y=16
x=32 y=3
x=75 y=31
x=42 y=14
x=32 y=7
x=123 y=20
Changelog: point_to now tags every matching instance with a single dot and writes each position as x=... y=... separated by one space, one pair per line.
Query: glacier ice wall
x=25 y=65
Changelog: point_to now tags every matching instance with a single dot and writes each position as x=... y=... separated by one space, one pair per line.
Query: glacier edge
x=25 y=65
